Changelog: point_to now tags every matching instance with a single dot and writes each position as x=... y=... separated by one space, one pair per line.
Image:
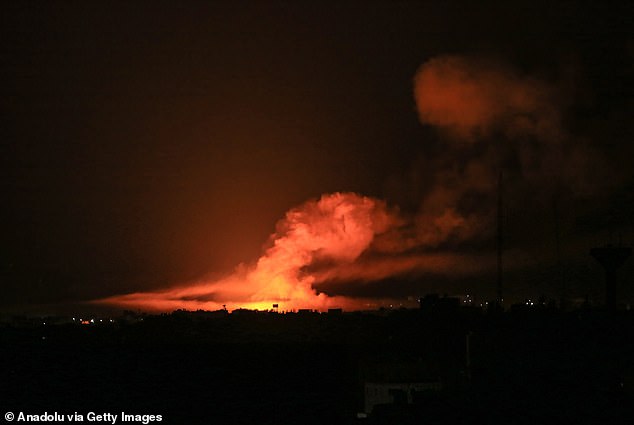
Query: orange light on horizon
x=337 y=228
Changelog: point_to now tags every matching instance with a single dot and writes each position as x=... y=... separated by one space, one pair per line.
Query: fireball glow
x=324 y=240
x=337 y=228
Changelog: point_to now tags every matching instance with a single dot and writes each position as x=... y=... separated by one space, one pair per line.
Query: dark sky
x=149 y=143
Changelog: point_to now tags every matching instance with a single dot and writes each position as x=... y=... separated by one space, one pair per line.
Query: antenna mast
x=500 y=239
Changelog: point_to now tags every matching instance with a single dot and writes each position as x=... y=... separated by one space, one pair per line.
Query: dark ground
x=527 y=367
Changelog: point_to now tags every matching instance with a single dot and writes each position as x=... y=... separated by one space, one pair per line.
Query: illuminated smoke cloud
x=337 y=229
x=471 y=99
x=497 y=115
x=493 y=118
x=384 y=267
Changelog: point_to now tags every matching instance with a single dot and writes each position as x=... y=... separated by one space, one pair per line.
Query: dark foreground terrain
x=522 y=367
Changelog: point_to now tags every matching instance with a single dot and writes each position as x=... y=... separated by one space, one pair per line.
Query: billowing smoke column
x=336 y=229
x=493 y=118
x=489 y=115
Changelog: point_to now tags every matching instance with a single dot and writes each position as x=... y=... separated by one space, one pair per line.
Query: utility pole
x=500 y=239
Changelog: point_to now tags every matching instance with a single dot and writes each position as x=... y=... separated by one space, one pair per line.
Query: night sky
x=151 y=144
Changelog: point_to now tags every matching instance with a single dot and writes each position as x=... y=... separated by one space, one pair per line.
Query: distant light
x=92 y=320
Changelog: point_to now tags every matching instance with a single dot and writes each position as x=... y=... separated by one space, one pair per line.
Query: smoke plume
x=335 y=229
x=490 y=118
x=472 y=99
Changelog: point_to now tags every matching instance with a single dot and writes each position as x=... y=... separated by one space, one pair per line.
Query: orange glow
x=470 y=98
x=337 y=228
x=324 y=239
x=382 y=268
